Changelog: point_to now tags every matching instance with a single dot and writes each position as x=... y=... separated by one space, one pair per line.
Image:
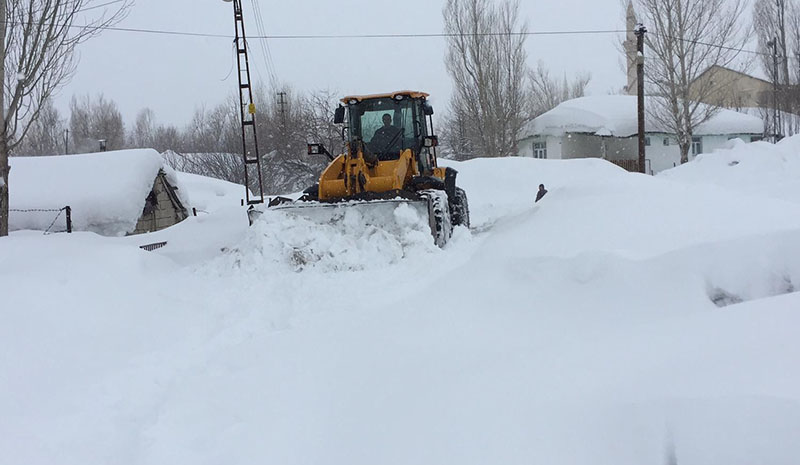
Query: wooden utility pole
x=4 y=168
x=640 y=31
x=776 y=126
x=282 y=104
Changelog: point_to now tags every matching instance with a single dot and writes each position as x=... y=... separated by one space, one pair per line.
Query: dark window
x=540 y=150
x=647 y=141
x=697 y=146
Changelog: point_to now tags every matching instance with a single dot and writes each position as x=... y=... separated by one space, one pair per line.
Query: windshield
x=386 y=126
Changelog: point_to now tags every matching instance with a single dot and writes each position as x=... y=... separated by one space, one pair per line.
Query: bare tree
x=168 y=138
x=684 y=39
x=486 y=61
x=547 y=92
x=46 y=134
x=143 y=133
x=38 y=40
x=778 y=22
x=211 y=144
x=94 y=120
x=317 y=115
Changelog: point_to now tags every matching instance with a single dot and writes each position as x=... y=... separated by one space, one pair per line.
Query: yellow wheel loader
x=389 y=159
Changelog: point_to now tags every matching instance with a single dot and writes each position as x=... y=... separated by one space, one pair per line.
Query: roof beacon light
x=399 y=97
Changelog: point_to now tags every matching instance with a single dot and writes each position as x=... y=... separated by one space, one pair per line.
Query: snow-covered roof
x=615 y=115
x=106 y=190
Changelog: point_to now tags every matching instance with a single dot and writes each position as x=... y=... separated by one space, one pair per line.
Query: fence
x=67 y=211
x=633 y=165
x=628 y=165
x=153 y=246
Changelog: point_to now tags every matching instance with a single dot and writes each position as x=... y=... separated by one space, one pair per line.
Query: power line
x=265 y=49
x=268 y=57
x=359 y=36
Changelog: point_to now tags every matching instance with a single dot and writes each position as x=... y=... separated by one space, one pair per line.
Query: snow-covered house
x=606 y=127
x=110 y=193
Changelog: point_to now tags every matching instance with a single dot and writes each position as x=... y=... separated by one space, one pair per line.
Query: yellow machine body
x=350 y=174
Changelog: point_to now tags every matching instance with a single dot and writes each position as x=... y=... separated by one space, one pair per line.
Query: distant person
x=385 y=136
x=541 y=193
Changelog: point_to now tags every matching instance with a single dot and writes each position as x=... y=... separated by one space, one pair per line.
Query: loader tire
x=459 y=208
x=438 y=216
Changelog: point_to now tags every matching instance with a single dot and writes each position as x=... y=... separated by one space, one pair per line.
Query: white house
x=606 y=127
x=110 y=193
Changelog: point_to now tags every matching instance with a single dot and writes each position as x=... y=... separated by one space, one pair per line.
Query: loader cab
x=391 y=123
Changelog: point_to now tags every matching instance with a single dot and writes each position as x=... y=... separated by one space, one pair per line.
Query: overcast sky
x=173 y=75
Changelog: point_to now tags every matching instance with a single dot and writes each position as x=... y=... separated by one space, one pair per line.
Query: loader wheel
x=438 y=216
x=459 y=208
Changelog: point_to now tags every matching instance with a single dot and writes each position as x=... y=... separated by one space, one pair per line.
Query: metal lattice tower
x=247 y=111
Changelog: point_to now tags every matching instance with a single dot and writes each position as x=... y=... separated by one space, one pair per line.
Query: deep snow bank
x=758 y=168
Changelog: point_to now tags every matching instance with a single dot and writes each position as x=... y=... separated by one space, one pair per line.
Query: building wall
x=165 y=212
x=658 y=156
x=525 y=146
x=727 y=88
x=662 y=157
x=581 y=146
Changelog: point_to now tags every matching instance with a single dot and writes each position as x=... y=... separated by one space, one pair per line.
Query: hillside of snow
x=622 y=319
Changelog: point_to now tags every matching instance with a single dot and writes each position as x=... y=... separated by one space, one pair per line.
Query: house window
x=666 y=141
x=647 y=141
x=697 y=146
x=756 y=138
x=540 y=150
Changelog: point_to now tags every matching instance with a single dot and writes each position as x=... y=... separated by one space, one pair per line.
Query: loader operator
x=386 y=138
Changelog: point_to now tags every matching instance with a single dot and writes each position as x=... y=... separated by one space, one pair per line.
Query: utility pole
x=282 y=104
x=247 y=112
x=775 y=122
x=640 y=31
x=66 y=141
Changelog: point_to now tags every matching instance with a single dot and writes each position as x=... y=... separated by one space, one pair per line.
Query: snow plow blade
x=395 y=216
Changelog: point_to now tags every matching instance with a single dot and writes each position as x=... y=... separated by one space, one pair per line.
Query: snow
x=209 y=194
x=740 y=167
x=620 y=317
x=615 y=115
x=106 y=190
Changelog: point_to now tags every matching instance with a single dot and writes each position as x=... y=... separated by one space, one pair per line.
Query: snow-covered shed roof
x=615 y=115
x=106 y=190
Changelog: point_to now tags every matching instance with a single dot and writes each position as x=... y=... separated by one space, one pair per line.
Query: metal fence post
x=69 y=218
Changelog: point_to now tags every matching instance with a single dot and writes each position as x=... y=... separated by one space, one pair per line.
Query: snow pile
x=106 y=190
x=757 y=169
x=355 y=236
x=209 y=194
x=615 y=115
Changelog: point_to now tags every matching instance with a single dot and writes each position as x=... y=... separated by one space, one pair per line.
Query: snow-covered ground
x=621 y=319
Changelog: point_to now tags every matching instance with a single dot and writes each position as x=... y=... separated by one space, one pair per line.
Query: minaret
x=630 y=49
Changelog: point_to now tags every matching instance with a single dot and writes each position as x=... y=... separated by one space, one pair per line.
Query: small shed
x=114 y=193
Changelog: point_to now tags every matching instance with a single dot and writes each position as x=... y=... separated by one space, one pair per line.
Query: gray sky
x=173 y=75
